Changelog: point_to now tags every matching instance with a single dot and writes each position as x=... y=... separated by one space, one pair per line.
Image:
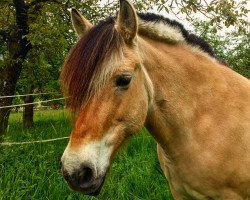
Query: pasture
x=32 y=171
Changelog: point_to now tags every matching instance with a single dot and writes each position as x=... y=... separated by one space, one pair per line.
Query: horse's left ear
x=80 y=24
x=127 y=22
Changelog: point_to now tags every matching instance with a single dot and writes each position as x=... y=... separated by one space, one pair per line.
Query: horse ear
x=127 y=23
x=80 y=24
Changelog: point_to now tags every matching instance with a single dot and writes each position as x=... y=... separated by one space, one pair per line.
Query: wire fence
x=23 y=95
x=24 y=104
x=37 y=102
x=32 y=142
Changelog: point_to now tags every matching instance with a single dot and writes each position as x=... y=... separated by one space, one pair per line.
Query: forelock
x=84 y=72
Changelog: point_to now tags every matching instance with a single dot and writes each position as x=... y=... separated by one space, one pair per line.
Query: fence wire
x=31 y=142
x=24 y=104
x=24 y=95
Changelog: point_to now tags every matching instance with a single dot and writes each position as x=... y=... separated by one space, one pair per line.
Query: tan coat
x=127 y=73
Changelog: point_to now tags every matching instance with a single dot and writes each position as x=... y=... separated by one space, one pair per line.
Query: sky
x=181 y=17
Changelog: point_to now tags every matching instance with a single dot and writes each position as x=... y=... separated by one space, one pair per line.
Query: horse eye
x=123 y=80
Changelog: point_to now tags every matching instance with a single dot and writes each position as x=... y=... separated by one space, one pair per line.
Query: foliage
x=239 y=56
x=33 y=171
x=219 y=12
x=51 y=34
x=232 y=47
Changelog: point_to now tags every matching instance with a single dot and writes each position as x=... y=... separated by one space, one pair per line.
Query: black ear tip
x=75 y=12
x=125 y=1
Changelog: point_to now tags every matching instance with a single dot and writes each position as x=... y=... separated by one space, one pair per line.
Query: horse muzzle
x=84 y=181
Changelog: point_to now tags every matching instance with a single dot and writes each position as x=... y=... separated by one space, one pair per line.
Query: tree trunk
x=18 y=47
x=28 y=110
x=4 y=116
x=12 y=72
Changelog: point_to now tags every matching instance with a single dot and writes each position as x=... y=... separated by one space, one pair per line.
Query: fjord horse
x=138 y=70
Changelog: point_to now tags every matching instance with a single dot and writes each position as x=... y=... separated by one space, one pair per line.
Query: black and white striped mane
x=159 y=27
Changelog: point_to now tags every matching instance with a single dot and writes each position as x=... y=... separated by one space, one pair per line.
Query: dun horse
x=138 y=70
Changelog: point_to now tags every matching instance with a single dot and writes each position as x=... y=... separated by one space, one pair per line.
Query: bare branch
x=172 y=11
x=171 y=4
x=206 y=3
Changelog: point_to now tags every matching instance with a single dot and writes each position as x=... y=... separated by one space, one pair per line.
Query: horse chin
x=96 y=191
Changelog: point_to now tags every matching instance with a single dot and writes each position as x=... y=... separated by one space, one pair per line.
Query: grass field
x=32 y=171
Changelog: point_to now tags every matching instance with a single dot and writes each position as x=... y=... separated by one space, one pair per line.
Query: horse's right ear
x=80 y=24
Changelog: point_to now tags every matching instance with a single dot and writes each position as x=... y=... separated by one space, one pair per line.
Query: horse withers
x=138 y=70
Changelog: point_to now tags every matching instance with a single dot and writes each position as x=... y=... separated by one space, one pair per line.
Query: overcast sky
x=181 y=17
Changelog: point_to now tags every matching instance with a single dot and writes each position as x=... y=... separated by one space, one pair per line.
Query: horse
x=143 y=70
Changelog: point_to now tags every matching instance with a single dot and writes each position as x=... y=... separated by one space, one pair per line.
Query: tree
x=28 y=110
x=41 y=24
x=17 y=46
x=219 y=12
x=41 y=29
x=239 y=56
x=232 y=47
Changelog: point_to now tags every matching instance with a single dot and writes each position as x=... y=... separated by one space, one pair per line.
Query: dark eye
x=123 y=80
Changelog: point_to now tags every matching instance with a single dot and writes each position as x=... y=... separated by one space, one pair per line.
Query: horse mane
x=171 y=31
x=83 y=74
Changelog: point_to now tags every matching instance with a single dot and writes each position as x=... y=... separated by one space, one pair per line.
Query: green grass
x=32 y=171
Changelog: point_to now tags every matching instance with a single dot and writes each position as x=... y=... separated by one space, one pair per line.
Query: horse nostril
x=85 y=177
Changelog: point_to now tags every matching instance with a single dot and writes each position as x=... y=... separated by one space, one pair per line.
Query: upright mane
x=84 y=72
x=164 y=29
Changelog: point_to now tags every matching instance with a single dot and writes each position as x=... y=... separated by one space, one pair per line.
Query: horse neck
x=176 y=71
